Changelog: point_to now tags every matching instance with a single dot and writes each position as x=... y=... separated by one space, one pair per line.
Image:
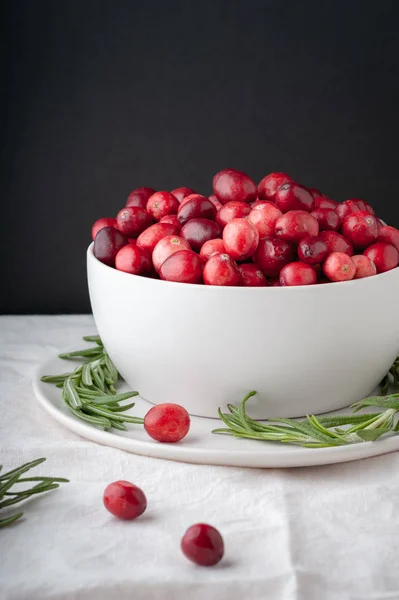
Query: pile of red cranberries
x=277 y=233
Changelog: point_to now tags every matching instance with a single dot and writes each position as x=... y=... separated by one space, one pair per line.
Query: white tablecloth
x=322 y=533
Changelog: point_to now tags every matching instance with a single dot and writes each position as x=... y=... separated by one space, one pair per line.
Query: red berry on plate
x=251 y=276
x=298 y=273
x=139 y=197
x=167 y=246
x=161 y=204
x=124 y=500
x=107 y=244
x=364 y=266
x=132 y=259
x=232 y=210
x=272 y=254
x=264 y=216
x=360 y=228
x=172 y=220
x=182 y=192
x=269 y=185
x=100 y=224
x=153 y=234
x=221 y=269
x=240 y=238
x=274 y=282
x=203 y=545
x=390 y=235
x=167 y=423
x=327 y=219
x=339 y=267
x=336 y=242
x=184 y=266
x=384 y=256
x=215 y=202
x=196 y=207
x=230 y=184
x=295 y=225
x=211 y=248
x=312 y=250
x=199 y=231
x=133 y=220
x=191 y=196
x=292 y=196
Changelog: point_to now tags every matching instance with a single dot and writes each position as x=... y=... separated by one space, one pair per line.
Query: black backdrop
x=103 y=96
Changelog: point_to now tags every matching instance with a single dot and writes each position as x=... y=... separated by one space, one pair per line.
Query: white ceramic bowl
x=306 y=350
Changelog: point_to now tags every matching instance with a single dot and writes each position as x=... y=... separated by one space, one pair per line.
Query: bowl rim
x=365 y=281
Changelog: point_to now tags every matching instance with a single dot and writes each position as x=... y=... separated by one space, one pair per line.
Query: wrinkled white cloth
x=322 y=533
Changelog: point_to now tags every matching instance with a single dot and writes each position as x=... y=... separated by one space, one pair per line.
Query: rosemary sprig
x=89 y=391
x=8 y=496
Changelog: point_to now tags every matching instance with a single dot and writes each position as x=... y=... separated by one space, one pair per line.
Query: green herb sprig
x=8 y=481
x=89 y=391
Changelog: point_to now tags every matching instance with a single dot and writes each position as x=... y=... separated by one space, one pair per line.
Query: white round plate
x=200 y=446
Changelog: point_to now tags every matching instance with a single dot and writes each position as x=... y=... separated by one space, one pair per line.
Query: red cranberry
x=161 y=204
x=312 y=250
x=167 y=246
x=264 y=216
x=232 y=210
x=230 y=184
x=272 y=254
x=336 y=242
x=298 y=273
x=259 y=203
x=172 y=220
x=124 y=500
x=167 y=422
x=390 y=235
x=139 y=197
x=384 y=256
x=134 y=260
x=190 y=197
x=100 y=224
x=360 y=228
x=292 y=196
x=240 y=238
x=362 y=205
x=274 y=282
x=338 y=266
x=203 y=545
x=184 y=266
x=215 y=202
x=269 y=185
x=212 y=247
x=133 y=220
x=199 y=231
x=221 y=269
x=251 y=276
x=182 y=192
x=107 y=244
x=295 y=225
x=151 y=236
x=346 y=208
x=324 y=202
x=327 y=219
x=196 y=207
x=364 y=266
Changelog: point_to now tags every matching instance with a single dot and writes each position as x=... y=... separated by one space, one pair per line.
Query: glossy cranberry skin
x=229 y=185
x=124 y=500
x=107 y=244
x=184 y=266
x=240 y=238
x=172 y=220
x=339 y=267
x=364 y=266
x=297 y=273
x=363 y=205
x=191 y=197
x=232 y=210
x=168 y=423
x=161 y=204
x=199 y=231
x=272 y=254
x=133 y=220
x=384 y=256
x=167 y=246
x=134 y=260
x=182 y=192
x=295 y=225
x=360 y=228
x=324 y=202
x=327 y=219
x=153 y=234
x=100 y=224
x=346 y=208
x=264 y=216
x=197 y=207
x=292 y=196
x=251 y=276
x=312 y=250
x=269 y=185
x=221 y=269
x=336 y=242
x=215 y=201
x=203 y=545
x=139 y=197
x=390 y=235
x=211 y=248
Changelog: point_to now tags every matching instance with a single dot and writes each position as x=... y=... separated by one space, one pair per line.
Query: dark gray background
x=104 y=96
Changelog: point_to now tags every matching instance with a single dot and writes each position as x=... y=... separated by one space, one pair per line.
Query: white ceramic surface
x=309 y=349
x=200 y=446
